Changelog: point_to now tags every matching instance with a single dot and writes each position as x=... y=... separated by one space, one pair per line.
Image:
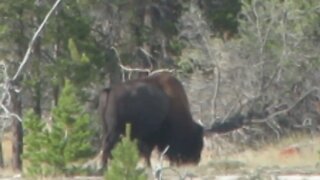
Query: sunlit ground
x=295 y=155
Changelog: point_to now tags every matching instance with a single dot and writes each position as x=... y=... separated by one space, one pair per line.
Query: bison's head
x=187 y=150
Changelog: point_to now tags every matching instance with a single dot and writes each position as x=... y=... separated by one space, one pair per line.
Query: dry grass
x=297 y=150
x=7 y=154
x=257 y=164
x=304 y=154
x=272 y=156
x=295 y=154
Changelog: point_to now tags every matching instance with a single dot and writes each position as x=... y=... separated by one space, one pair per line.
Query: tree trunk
x=56 y=53
x=1 y=155
x=147 y=23
x=17 y=138
x=114 y=70
x=16 y=104
x=37 y=91
x=56 y=92
x=146 y=60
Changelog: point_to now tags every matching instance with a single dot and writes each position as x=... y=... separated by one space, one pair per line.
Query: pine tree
x=52 y=152
x=34 y=152
x=125 y=159
x=69 y=116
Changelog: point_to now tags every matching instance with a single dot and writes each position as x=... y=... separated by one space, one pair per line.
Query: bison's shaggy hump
x=158 y=109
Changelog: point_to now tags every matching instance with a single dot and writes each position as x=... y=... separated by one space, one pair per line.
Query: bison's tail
x=103 y=103
x=103 y=99
x=230 y=124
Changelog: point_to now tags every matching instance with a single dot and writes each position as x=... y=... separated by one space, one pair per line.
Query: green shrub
x=58 y=150
x=123 y=166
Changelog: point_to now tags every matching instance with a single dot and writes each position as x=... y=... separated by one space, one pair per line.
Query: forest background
x=254 y=57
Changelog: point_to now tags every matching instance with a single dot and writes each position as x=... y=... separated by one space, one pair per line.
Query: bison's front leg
x=146 y=151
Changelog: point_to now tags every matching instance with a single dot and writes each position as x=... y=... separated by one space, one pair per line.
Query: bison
x=158 y=110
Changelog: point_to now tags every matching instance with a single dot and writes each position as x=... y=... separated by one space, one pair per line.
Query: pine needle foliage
x=56 y=150
x=125 y=159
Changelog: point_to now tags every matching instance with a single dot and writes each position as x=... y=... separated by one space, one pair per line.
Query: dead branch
x=161 y=70
x=287 y=109
x=267 y=117
x=130 y=70
x=163 y=153
x=36 y=34
x=6 y=97
x=7 y=85
x=173 y=170
x=158 y=172
x=126 y=68
x=149 y=56
x=217 y=72
x=159 y=169
x=10 y=94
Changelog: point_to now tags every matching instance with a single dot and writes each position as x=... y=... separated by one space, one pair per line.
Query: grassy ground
x=296 y=154
x=296 y=150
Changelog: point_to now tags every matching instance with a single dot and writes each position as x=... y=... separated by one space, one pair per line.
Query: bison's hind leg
x=109 y=142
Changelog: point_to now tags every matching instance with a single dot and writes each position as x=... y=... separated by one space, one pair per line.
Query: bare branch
x=288 y=109
x=217 y=75
x=148 y=55
x=161 y=70
x=163 y=153
x=130 y=70
x=36 y=34
x=6 y=115
x=7 y=86
x=159 y=170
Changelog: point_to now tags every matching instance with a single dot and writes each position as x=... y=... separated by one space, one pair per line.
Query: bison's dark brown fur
x=158 y=110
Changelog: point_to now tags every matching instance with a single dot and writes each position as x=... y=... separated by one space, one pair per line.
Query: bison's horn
x=200 y=122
